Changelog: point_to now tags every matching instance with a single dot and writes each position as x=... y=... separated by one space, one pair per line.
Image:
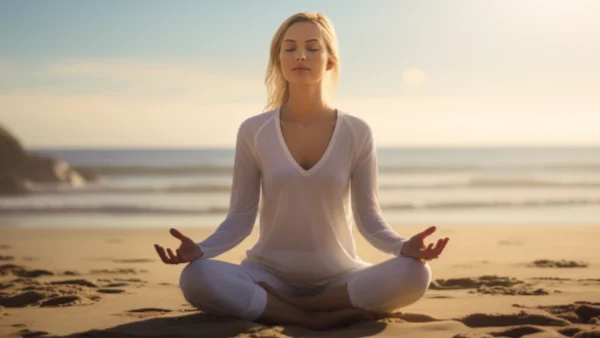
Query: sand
x=491 y=281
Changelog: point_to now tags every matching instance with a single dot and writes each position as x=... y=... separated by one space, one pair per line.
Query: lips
x=301 y=68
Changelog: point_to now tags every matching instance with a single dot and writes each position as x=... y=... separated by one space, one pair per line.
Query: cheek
x=286 y=60
x=323 y=59
x=285 y=64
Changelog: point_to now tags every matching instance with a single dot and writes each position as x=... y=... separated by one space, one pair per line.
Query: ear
x=329 y=65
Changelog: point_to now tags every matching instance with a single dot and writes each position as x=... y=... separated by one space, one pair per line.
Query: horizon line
x=183 y=147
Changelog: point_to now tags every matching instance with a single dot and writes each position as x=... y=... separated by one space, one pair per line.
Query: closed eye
x=291 y=50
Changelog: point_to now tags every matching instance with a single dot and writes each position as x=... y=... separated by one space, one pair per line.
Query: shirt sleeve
x=244 y=200
x=365 y=201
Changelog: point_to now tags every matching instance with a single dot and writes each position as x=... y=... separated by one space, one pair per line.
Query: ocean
x=429 y=186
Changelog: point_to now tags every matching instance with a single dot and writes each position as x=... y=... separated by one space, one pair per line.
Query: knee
x=214 y=287
x=415 y=273
x=413 y=278
x=194 y=280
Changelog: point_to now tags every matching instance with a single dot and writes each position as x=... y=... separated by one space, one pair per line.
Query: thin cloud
x=145 y=78
x=42 y=119
x=170 y=104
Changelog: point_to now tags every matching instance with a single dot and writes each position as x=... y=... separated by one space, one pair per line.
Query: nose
x=300 y=56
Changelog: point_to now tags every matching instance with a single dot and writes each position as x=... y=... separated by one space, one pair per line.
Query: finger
x=427 y=232
x=177 y=234
x=439 y=247
x=431 y=250
x=443 y=245
x=423 y=253
x=168 y=257
x=161 y=253
x=179 y=256
x=173 y=258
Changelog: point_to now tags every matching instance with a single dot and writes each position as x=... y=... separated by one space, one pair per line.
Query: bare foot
x=295 y=301
x=339 y=318
x=323 y=320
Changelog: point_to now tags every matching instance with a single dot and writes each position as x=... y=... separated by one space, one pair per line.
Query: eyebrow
x=309 y=40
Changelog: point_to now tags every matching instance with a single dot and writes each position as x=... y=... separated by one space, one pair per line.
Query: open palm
x=188 y=251
x=415 y=246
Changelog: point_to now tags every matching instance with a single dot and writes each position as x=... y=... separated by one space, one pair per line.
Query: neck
x=306 y=103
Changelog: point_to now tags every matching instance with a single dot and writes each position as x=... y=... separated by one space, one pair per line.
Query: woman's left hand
x=415 y=247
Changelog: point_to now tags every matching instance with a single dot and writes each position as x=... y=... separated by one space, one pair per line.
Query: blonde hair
x=277 y=85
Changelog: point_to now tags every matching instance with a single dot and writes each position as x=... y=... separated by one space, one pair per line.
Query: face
x=303 y=56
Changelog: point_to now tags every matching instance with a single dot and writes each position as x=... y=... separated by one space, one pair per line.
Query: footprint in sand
x=114 y=271
x=69 y=273
x=134 y=280
x=61 y=300
x=470 y=282
x=134 y=260
x=27 y=292
x=121 y=282
x=521 y=318
x=563 y=263
x=552 y=278
x=589 y=281
x=521 y=331
x=82 y=282
x=580 y=312
x=146 y=312
x=522 y=290
x=22 y=271
x=489 y=284
x=6 y=285
x=578 y=315
x=111 y=290
x=22 y=299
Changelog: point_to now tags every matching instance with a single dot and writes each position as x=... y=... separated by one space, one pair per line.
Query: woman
x=308 y=158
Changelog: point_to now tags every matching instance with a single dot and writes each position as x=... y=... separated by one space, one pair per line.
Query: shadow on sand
x=203 y=325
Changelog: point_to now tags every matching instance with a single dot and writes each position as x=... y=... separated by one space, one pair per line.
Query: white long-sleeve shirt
x=306 y=216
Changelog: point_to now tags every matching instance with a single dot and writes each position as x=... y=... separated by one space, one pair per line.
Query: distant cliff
x=20 y=170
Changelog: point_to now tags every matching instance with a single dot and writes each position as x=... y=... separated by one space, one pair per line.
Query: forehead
x=302 y=31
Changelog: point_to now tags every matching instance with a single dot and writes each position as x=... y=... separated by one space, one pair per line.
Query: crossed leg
x=382 y=287
x=227 y=289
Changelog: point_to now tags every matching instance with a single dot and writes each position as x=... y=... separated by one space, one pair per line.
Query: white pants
x=222 y=288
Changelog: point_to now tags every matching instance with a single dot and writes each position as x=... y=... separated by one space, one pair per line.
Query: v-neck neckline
x=288 y=154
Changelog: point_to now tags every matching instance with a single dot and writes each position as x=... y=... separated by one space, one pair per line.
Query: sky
x=187 y=73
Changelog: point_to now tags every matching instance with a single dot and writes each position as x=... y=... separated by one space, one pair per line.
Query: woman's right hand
x=188 y=250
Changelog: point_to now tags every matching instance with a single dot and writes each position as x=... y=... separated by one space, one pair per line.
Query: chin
x=301 y=83
x=300 y=80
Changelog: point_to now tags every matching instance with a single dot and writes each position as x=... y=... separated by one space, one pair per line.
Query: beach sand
x=110 y=283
